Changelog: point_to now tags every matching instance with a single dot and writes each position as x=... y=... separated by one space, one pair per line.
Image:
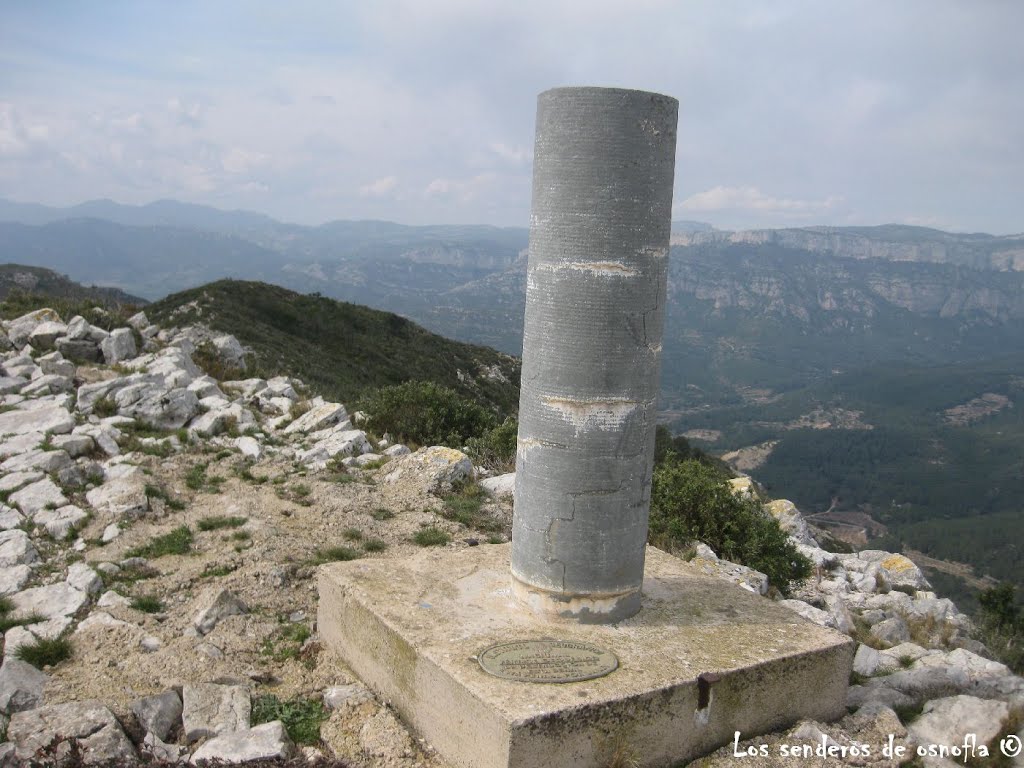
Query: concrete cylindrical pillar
x=604 y=162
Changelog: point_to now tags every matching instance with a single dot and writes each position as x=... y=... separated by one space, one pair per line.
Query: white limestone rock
x=205 y=386
x=48 y=384
x=229 y=351
x=809 y=612
x=15 y=480
x=20 y=329
x=61 y=521
x=10 y=518
x=11 y=384
x=214 y=422
x=949 y=720
x=16 y=549
x=213 y=605
x=138 y=321
x=791 y=521
x=499 y=486
x=901 y=570
x=351 y=442
x=49 y=418
x=118 y=346
x=351 y=695
x=262 y=742
x=249 y=447
x=210 y=710
x=111 y=599
x=891 y=631
x=40 y=461
x=13 y=578
x=366 y=458
x=866 y=661
x=50 y=601
x=318 y=418
x=435 y=469
x=82 y=577
x=123 y=496
x=21 y=686
x=159 y=714
x=157 y=405
x=90 y=723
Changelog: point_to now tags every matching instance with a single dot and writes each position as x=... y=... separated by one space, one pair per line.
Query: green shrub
x=691 y=501
x=301 y=717
x=148 y=604
x=45 y=652
x=431 y=537
x=105 y=407
x=177 y=542
x=216 y=522
x=465 y=504
x=496 y=449
x=335 y=554
x=1001 y=625
x=374 y=545
x=425 y=413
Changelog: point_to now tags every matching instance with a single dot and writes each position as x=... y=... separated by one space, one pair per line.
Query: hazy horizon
x=791 y=114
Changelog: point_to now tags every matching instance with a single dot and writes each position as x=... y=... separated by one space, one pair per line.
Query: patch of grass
x=218 y=570
x=158 y=492
x=382 y=513
x=197 y=479
x=495 y=539
x=374 y=545
x=223 y=454
x=352 y=534
x=177 y=542
x=245 y=473
x=216 y=522
x=908 y=713
x=464 y=505
x=7 y=621
x=375 y=464
x=148 y=604
x=301 y=489
x=44 y=652
x=301 y=717
x=241 y=536
x=131 y=574
x=105 y=407
x=286 y=642
x=335 y=554
x=431 y=537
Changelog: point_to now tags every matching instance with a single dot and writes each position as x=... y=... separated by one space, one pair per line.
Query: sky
x=792 y=112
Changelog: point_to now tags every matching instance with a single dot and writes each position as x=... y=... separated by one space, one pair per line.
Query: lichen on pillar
x=604 y=162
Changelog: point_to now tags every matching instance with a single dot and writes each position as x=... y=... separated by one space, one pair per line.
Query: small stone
x=249 y=446
x=350 y=695
x=16 y=549
x=213 y=605
x=37 y=496
x=268 y=741
x=118 y=346
x=111 y=599
x=13 y=578
x=60 y=522
x=891 y=631
x=21 y=686
x=210 y=710
x=53 y=600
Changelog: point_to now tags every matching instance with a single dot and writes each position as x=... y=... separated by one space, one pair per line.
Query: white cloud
x=751 y=199
x=464 y=190
x=378 y=188
x=238 y=160
x=517 y=155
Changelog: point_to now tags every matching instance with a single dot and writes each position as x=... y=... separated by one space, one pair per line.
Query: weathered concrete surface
x=411 y=631
x=601 y=218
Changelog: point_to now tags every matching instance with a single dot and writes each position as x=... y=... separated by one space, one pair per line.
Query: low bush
x=692 y=501
x=425 y=413
x=496 y=449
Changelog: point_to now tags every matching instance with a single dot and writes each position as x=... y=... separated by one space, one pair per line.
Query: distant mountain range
x=792 y=340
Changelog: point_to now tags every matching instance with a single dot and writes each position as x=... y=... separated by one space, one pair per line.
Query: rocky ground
x=161 y=530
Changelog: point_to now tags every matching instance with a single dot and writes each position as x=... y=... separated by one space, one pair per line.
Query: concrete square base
x=701 y=660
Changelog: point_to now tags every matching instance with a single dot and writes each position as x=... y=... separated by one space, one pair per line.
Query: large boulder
x=45 y=334
x=160 y=714
x=434 y=470
x=89 y=723
x=950 y=720
x=318 y=418
x=118 y=346
x=19 y=329
x=790 y=520
x=347 y=442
